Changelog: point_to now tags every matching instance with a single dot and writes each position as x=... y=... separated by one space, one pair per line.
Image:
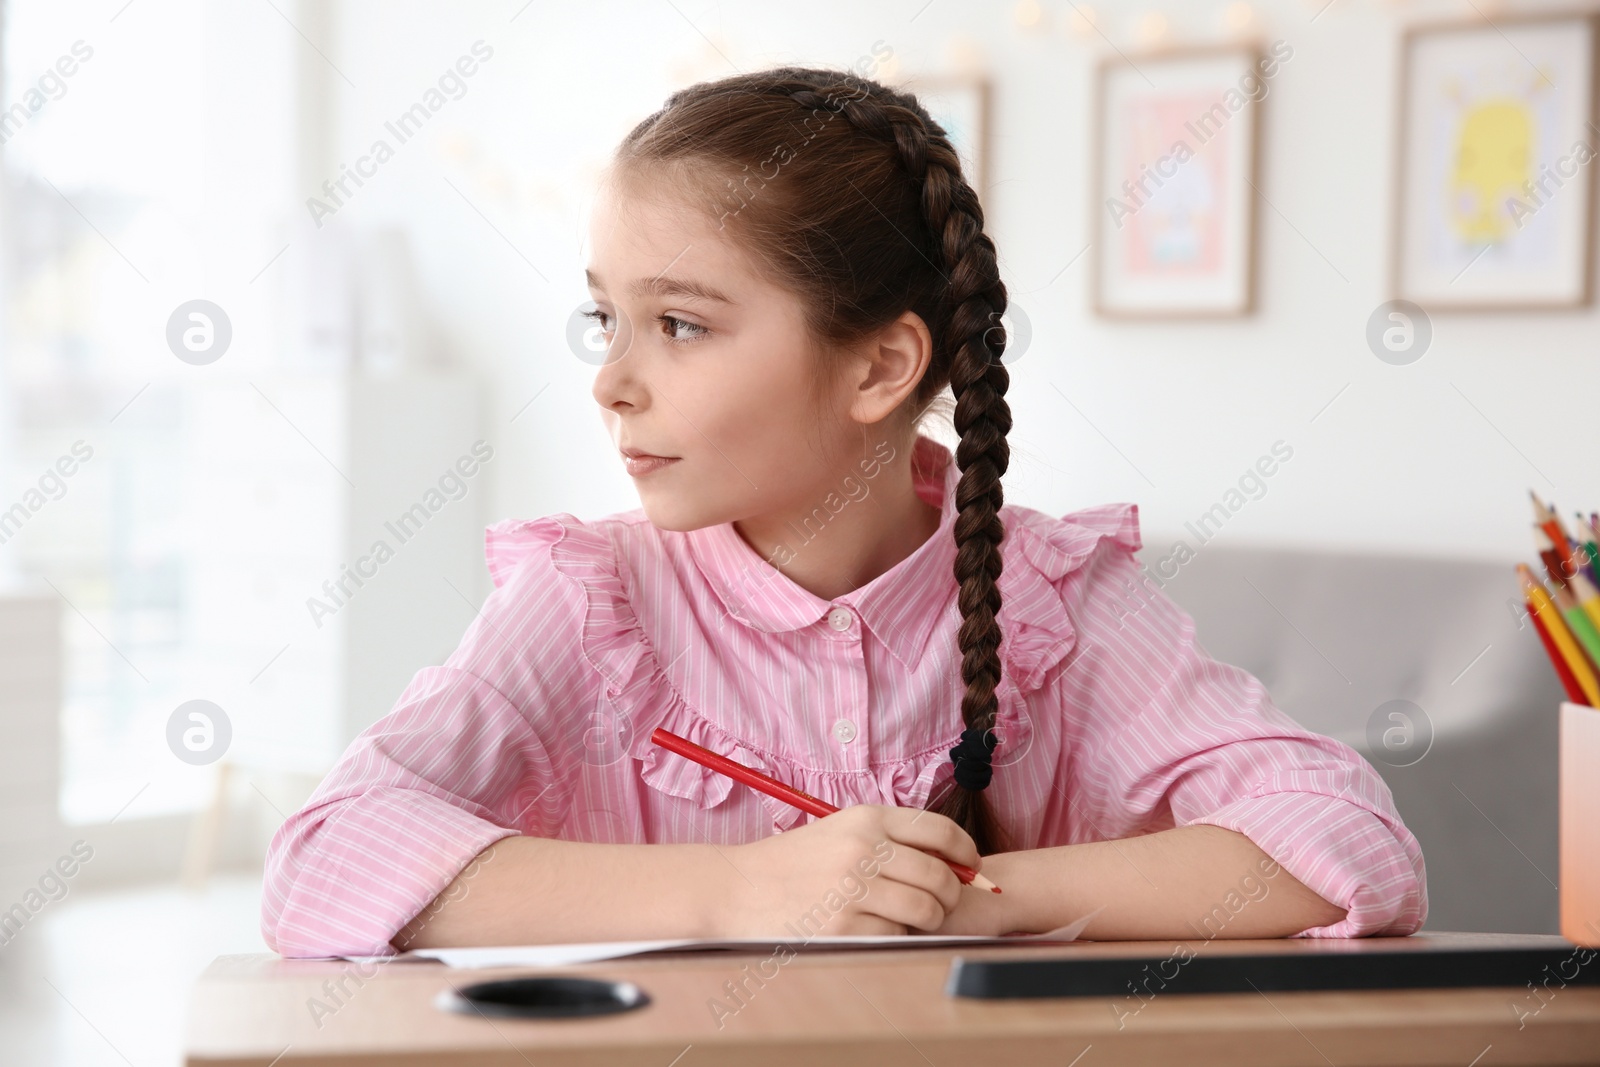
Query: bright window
x=148 y=153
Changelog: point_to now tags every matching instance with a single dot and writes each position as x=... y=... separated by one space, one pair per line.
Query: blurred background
x=270 y=268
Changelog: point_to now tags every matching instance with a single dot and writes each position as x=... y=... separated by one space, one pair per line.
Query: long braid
x=973 y=301
x=982 y=419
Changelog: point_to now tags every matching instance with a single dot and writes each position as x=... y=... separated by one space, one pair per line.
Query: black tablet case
x=1067 y=976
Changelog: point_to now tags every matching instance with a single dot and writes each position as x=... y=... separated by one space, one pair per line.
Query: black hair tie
x=973 y=757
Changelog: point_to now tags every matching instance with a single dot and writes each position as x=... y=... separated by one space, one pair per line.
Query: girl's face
x=708 y=367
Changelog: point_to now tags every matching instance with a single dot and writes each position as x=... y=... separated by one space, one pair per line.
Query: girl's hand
x=865 y=869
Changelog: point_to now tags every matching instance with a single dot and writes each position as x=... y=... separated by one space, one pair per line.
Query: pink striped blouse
x=1114 y=722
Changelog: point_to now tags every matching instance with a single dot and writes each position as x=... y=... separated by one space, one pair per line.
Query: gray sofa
x=1336 y=636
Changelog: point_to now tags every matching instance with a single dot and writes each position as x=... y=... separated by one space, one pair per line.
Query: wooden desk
x=886 y=1009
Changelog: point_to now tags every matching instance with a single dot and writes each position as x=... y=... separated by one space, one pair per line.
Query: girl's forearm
x=532 y=890
x=1194 y=881
x=1197 y=881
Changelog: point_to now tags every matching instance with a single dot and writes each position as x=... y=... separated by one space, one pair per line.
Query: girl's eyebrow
x=659 y=286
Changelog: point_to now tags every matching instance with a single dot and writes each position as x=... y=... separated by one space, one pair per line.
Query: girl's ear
x=889 y=366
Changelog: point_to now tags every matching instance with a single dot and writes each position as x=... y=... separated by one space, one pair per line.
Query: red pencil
x=1568 y=682
x=786 y=793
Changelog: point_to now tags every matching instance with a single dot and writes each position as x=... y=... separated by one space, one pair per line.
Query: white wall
x=1435 y=457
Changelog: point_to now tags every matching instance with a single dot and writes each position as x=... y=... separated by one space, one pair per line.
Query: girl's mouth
x=640 y=464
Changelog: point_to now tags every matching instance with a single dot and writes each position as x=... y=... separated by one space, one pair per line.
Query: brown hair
x=851 y=195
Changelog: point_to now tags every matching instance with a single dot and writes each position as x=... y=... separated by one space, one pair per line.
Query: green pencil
x=1578 y=619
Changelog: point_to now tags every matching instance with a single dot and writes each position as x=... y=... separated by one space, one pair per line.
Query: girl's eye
x=599 y=317
x=673 y=324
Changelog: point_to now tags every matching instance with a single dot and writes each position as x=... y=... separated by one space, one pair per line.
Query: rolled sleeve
x=406 y=847
x=1178 y=738
x=410 y=804
x=475 y=750
x=1344 y=851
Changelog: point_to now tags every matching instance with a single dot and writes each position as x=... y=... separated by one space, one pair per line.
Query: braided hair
x=850 y=194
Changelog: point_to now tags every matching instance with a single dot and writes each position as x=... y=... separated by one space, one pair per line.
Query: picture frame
x=1492 y=209
x=1173 y=229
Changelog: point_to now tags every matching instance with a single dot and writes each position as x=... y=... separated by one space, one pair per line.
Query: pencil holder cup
x=1579 y=815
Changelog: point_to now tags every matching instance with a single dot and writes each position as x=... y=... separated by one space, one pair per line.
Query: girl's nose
x=618 y=381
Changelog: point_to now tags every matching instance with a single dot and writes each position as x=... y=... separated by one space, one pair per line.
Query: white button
x=844 y=730
x=839 y=618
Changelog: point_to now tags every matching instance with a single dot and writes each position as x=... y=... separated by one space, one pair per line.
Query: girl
x=789 y=269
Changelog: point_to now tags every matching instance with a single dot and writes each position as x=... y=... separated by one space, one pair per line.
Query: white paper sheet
x=589 y=951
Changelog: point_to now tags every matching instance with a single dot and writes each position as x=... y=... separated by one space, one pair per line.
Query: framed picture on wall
x=961 y=106
x=1494 y=187
x=1175 y=160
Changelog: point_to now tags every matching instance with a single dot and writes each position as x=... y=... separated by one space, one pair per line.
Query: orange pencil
x=1555 y=565
x=786 y=793
x=1571 y=554
x=1545 y=519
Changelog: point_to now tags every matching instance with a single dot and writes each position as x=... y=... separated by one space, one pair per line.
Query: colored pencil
x=1581 y=625
x=1591 y=549
x=786 y=793
x=1545 y=608
x=1588 y=598
x=1545 y=519
x=1578 y=557
x=1568 y=682
x=1557 y=564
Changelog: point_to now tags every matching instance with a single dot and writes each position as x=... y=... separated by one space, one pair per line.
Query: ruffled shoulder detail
x=612 y=640
x=1057 y=546
x=640 y=695
x=1036 y=630
x=509 y=543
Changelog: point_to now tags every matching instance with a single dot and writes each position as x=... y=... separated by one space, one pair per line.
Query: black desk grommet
x=543 y=997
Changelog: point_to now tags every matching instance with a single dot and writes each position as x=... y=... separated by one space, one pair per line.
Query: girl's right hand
x=865 y=869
